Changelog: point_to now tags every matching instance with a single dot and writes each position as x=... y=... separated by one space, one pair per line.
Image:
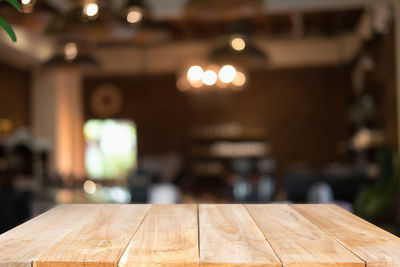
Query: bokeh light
x=240 y=79
x=91 y=9
x=212 y=75
x=195 y=73
x=183 y=84
x=209 y=77
x=70 y=51
x=134 y=15
x=89 y=187
x=227 y=74
x=238 y=43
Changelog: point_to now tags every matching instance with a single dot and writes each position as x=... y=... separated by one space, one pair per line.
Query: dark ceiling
x=109 y=29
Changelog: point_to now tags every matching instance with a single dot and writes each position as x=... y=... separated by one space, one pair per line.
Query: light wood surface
x=229 y=237
x=198 y=235
x=168 y=236
x=298 y=242
x=99 y=239
x=23 y=244
x=372 y=244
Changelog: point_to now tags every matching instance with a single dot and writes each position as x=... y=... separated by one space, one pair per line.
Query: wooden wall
x=14 y=95
x=304 y=111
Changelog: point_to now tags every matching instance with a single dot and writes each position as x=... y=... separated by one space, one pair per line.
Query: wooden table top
x=198 y=235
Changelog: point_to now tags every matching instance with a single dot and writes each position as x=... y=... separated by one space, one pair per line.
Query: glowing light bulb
x=195 y=73
x=134 y=15
x=25 y=2
x=91 y=9
x=240 y=79
x=227 y=74
x=70 y=51
x=209 y=77
x=238 y=43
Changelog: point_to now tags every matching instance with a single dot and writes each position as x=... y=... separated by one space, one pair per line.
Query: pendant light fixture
x=72 y=53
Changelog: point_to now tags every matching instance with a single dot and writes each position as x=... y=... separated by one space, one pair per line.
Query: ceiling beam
x=284 y=6
x=283 y=53
x=32 y=49
x=162 y=9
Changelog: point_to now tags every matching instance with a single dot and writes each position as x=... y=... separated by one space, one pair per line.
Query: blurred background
x=199 y=101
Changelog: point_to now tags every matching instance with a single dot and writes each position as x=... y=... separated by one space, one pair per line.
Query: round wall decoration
x=106 y=101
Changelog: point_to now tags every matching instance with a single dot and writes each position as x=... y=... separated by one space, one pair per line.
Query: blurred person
x=320 y=193
x=138 y=186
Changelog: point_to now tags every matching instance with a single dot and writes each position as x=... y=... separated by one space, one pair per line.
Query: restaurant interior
x=200 y=101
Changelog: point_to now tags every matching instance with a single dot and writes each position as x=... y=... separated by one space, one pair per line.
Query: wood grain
x=229 y=237
x=296 y=241
x=167 y=237
x=374 y=245
x=24 y=244
x=99 y=239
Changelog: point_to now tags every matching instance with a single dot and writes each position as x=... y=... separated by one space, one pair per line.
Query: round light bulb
x=238 y=43
x=195 y=73
x=240 y=79
x=70 y=51
x=134 y=15
x=209 y=77
x=25 y=2
x=91 y=9
x=227 y=74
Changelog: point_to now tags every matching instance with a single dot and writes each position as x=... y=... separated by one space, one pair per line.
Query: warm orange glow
x=69 y=141
x=70 y=51
x=195 y=73
x=225 y=76
x=240 y=79
x=238 y=44
x=209 y=77
x=91 y=9
x=183 y=84
x=134 y=15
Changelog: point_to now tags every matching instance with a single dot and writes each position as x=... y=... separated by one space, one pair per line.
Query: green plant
x=4 y=24
x=378 y=201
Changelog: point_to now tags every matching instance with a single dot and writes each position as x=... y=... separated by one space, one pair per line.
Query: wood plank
x=98 y=240
x=372 y=244
x=229 y=237
x=298 y=242
x=167 y=237
x=24 y=244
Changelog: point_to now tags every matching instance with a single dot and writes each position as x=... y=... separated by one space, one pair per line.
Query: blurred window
x=111 y=148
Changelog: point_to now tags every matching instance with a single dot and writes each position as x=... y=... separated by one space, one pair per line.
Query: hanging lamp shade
x=80 y=60
x=239 y=48
x=70 y=53
x=245 y=53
